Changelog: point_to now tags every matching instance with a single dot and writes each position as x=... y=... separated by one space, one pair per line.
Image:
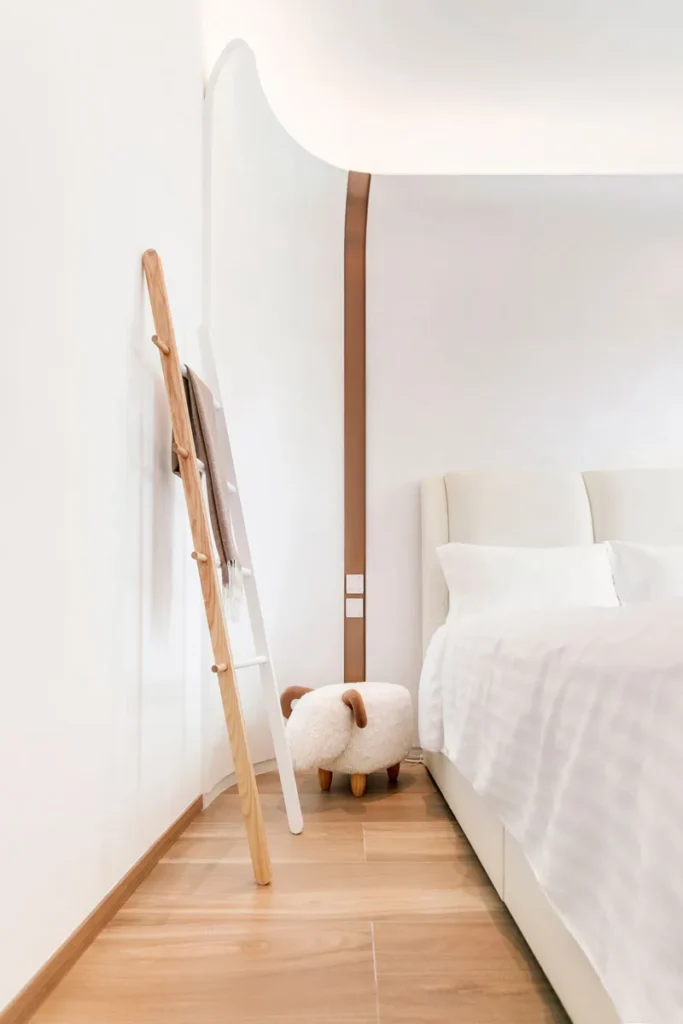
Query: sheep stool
x=356 y=730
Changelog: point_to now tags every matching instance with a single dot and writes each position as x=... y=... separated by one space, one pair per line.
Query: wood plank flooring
x=378 y=914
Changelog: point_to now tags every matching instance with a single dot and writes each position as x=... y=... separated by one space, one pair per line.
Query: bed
x=545 y=509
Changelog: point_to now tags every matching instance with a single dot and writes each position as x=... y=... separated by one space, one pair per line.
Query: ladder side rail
x=211 y=589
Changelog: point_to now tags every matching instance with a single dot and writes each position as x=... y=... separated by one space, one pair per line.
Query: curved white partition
x=273 y=314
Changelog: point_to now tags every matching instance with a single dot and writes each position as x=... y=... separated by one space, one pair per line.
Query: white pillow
x=485 y=580
x=646 y=572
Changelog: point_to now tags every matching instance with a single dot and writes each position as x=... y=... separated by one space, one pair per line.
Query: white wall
x=511 y=322
x=276 y=319
x=100 y=106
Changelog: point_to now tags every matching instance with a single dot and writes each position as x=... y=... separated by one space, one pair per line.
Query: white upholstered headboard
x=542 y=509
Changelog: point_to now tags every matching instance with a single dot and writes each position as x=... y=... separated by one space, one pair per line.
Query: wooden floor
x=379 y=912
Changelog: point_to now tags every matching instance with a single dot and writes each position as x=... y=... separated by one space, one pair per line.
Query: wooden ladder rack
x=224 y=666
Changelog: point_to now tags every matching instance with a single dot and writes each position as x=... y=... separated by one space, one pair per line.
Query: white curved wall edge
x=234 y=47
x=559 y=955
x=227 y=55
x=230 y=780
x=468 y=87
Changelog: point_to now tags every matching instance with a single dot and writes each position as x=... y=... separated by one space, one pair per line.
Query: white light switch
x=354 y=607
x=355 y=583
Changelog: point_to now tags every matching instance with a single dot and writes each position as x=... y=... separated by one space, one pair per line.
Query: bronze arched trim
x=355 y=238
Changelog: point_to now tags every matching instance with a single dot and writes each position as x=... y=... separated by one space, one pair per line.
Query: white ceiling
x=469 y=86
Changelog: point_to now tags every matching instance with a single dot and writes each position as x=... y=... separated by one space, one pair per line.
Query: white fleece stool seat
x=354 y=728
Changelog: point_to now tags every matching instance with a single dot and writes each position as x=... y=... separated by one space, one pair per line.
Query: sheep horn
x=353 y=700
x=291 y=694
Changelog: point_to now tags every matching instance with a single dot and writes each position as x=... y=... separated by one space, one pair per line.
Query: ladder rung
x=259 y=659
x=183 y=453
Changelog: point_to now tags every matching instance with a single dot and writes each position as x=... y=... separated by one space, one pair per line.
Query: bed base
x=565 y=965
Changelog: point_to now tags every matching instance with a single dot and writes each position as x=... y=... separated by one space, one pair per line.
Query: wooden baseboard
x=25 y=1004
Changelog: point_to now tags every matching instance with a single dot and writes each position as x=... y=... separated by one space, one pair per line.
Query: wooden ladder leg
x=244 y=773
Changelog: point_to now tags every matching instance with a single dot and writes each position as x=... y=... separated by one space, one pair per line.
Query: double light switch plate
x=355 y=584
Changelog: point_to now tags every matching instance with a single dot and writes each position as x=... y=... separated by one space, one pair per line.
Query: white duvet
x=571 y=725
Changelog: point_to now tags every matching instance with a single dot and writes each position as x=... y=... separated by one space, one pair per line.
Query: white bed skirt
x=577 y=985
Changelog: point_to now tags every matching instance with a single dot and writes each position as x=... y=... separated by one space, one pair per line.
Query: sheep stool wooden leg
x=393 y=772
x=325 y=779
x=358 y=784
